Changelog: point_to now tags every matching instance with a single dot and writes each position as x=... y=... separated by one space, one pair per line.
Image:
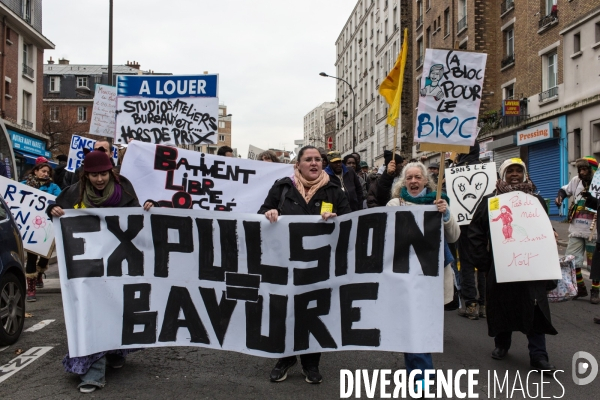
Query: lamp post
x=353 y=107
x=110 y=43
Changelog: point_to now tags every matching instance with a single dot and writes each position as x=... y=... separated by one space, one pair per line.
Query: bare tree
x=60 y=122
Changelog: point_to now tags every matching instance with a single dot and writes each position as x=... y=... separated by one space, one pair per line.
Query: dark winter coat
x=471 y=158
x=59 y=176
x=510 y=306
x=380 y=190
x=294 y=203
x=69 y=197
x=352 y=186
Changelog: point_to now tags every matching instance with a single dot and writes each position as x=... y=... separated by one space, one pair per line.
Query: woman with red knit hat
x=98 y=187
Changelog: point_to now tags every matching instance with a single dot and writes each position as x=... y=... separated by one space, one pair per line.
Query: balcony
x=27 y=124
x=419 y=61
x=462 y=24
x=419 y=21
x=548 y=94
x=548 y=20
x=27 y=70
x=506 y=6
x=508 y=60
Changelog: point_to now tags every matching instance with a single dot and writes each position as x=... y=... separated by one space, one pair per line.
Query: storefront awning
x=30 y=158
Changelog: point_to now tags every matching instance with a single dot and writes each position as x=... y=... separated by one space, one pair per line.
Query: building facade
x=314 y=125
x=223 y=134
x=22 y=45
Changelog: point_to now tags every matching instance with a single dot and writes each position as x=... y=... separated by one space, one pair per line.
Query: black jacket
x=69 y=197
x=471 y=158
x=510 y=306
x=380 y=190
x=352 y=185
x=294 y=203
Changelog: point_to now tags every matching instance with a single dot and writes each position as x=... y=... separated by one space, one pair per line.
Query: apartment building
x=314 y=125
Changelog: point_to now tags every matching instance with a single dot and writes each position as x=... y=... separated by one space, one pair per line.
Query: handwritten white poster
x=28 y=207
x=466 y=186
x=103 y=113
x=76 y=154
x=522 y=239
x=449 y=97
x=253 y=152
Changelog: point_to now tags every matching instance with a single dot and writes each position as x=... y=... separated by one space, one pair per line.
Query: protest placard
x=28 y=207
x=103 y=112
x=237 y=282
x=253 y=152
x=76 y=154
x=167 y=109
x=522 y=239
x=450 y=95
x=466 y=186
x=188 y=179
x=595 y=186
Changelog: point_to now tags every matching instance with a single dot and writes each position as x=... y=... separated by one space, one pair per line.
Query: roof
x=91 y=69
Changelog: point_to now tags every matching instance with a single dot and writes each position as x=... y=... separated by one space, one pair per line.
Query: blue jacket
x=50 y=188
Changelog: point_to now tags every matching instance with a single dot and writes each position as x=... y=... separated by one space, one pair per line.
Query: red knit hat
x=96 y=161
x=41 y=160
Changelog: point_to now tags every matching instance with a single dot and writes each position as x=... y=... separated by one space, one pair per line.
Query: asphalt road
x=197 y=373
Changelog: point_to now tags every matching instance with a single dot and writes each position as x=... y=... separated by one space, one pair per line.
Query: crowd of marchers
x=323 y=183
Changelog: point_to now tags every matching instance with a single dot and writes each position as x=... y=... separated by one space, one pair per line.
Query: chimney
x=134 y=64
x=63 y=61
x=50 y=61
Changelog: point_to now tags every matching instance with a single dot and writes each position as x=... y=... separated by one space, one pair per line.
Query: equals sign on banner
x=242 y=286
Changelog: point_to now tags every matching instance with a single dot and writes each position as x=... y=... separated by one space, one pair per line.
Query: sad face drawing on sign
x=470 y=191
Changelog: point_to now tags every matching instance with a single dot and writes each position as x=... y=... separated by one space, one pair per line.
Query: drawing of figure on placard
x=507 y=229
x=432 y=82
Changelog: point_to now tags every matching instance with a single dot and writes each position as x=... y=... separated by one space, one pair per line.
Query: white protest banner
x=188 y=179
x=466 y=186
x=103 y=113
x=28 y=207
x=595 y=186
x=76 y=155
x=253 y=152
x=167 y=109
x=450 y=96
x=232 y=281
x=522 y=239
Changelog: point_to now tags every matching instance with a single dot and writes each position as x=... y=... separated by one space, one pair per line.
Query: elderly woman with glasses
x=307 y=192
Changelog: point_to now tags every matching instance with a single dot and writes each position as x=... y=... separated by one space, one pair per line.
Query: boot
x=595 y=296
x=41 y=270
x=581 y=292
x=31 y=289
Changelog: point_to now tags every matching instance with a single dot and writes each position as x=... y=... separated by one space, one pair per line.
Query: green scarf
x=92 y=200
x=428 y=198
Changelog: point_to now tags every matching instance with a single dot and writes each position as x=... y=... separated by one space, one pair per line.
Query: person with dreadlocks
x=511 y=306
x=580 y=221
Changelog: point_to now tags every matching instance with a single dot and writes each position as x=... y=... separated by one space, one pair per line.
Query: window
x=576 y=42
x=6 y=88
x=439 y=20
x=429 y=38
x=597 y=32
x=221 y=124
x=463 y=45
x=54 y=114
x=27 y=110
x=462 y=9
x=27 y=8
x=549 y=4
x=82 y=81
x=428 y=4
x=434 y=25
x=81 y=114
x=221 y=138
x=510 y=41
x=55 y=84
x=576 y=144
x=447 y=21
x=551 y=80
x=509 y=92
x=420 y=47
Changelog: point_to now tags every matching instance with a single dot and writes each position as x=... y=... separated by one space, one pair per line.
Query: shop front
x=26 y=150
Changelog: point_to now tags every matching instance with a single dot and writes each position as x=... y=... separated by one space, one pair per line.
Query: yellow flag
x=391 y=87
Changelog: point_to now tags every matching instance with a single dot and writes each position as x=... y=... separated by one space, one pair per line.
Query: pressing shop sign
x=535 y=134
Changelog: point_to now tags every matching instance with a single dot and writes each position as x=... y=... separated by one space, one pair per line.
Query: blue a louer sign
x=28 y=144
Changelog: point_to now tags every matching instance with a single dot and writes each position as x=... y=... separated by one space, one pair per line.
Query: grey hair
x=400 y=182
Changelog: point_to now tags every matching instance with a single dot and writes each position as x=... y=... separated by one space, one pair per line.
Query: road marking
x=39 y=325
x=3 y=348
x=17 y=364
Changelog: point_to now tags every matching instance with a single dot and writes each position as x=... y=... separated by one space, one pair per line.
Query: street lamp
x=353 y=107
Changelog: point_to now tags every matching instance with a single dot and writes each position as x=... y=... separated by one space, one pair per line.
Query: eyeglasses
x=311 y=159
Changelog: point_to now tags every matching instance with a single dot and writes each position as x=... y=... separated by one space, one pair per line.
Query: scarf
x=526 y=187
x=427 y=198
x=34 y=182
x=109 y=197
x=302 y=183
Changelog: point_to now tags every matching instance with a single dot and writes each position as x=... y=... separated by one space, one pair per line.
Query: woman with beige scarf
x=307 y=192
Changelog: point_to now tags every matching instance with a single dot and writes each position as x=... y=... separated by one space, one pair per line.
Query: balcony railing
x=509 y=59
x=419 y=61
x=419 y=21
x=462 y=24
x=27 y=70
x=27 y=124
x=548 y=94
x=548 y=20
x=506 y=5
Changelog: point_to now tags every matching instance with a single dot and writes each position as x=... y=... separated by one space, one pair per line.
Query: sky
x=268 y=53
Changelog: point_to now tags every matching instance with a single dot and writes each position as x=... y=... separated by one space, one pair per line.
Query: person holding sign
x=416 y=187
x=40 y=177
x=511 y=306
x=99 y=186
x=308 y=192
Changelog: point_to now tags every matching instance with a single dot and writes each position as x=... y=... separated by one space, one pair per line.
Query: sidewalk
x=562 y=228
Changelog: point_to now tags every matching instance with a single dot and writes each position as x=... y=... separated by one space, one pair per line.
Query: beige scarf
x=313 y=186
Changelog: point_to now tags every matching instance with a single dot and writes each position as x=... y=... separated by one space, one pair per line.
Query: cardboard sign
x=466 y=186
x=28 y=207
x=76 y=155
x=522 y=239
x=167 y=109
x=450 y=96
x=178 y=178
x=253 y=152
x=103 y=113
x=237 y=282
